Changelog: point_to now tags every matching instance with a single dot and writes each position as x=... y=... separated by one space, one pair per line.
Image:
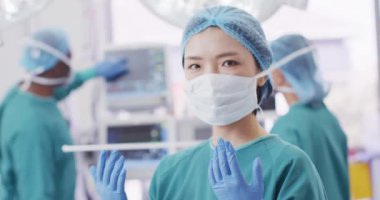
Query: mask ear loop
x=26 y=82
x=261 y=112
x=25 y=85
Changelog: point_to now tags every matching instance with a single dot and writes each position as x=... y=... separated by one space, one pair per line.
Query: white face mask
x=52 y=81
x=220 y=99
x=47 y=81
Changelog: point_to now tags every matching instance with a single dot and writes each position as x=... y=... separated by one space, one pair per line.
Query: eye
x=229 y=63
x=193 y=66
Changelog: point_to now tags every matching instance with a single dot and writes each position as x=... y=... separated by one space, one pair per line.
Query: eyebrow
x=193 y=58
x=226 y=54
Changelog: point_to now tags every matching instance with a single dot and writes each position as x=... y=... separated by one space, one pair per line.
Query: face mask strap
x=284 y=89
x=285 y=60
x=47 y=81
x=293 y=56
x=261 y=112
x=48 y=49
x=25 y=85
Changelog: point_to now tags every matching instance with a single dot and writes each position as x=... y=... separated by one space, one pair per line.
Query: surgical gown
x=316 y=131
x=32 y=132
x=288 y=172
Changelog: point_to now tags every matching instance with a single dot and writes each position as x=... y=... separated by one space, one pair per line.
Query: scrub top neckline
x=249 y=143
x=34 y=97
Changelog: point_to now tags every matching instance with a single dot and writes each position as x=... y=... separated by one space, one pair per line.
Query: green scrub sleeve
x=301 y=180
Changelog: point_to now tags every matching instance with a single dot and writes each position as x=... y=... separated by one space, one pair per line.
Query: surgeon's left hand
x=109 y=176
x=111 y=69
x=226 y=179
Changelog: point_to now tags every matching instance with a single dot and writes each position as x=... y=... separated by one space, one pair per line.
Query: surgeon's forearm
x=79 y=79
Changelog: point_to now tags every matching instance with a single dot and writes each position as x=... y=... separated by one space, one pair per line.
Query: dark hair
x=259 y=96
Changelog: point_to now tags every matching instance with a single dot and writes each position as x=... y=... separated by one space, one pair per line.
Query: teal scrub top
x=32 y=132
x=314 y=129
x=288 y=172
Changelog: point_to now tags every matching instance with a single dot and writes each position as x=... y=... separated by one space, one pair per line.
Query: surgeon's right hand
x=227 y=181
x=109 y=176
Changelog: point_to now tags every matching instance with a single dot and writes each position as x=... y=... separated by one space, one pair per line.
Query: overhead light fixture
x=12 y=11
x=177 y=12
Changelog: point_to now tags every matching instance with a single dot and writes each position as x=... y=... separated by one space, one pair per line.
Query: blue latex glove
x=109 y=176
x=226 y=179
x=112 y=69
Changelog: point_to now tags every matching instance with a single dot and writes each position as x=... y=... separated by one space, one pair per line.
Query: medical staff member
x=226 y=60
x=33 y=130
x=309 y=124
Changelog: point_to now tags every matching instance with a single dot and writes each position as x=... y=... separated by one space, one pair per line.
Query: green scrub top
x=32 y=132
x=288 y=172
x=316 y=130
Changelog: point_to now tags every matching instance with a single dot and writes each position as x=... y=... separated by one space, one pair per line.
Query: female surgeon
x=309 y=124
x=225 y=60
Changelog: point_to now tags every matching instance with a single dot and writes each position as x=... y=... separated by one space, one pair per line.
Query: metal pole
x=377 y=21
x=108 y=22
x=129 y=146
x=1 y=38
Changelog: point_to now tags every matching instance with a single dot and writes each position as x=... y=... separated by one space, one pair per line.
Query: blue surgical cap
x=239 y=25
x=302 y=73
x=34 y=59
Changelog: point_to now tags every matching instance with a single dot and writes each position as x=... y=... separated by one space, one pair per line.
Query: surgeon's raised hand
x=109 y=176
x=112 y=69
x=226 y=179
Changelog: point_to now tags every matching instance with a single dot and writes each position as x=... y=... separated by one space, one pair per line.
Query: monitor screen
x=146 y=78
x=140 y=134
